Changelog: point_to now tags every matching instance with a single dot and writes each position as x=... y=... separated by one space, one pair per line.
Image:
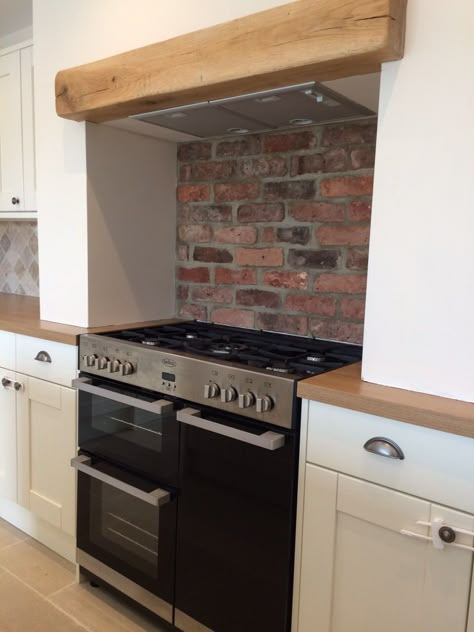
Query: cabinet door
x=28 y=130
x=46 y=443
x=11 y=149
x=8 y=480
x=360 y=574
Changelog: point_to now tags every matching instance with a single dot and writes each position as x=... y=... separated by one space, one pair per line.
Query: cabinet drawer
x=437 y=466
x=62 y=368
x=7 y=350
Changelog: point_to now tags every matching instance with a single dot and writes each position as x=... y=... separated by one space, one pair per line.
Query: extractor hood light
x=237 y=130
x=319 y=98
x=176 y=115
x=300 y=121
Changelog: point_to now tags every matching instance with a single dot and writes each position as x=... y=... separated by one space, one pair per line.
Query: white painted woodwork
x=359 y=574
x=8 y=460
x=7 y=350
x=46 y=442
x=420 y=301
x=63 y=366
x=437 y=465
x=470 y=623
x=28 y=129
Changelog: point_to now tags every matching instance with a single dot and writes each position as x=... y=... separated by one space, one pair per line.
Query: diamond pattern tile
x=19 y=273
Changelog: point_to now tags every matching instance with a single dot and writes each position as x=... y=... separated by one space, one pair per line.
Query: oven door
x=126 y=533
x=129 y=427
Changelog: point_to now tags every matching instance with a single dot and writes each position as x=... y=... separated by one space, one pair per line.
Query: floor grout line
x=9 y=546
x=60 y=590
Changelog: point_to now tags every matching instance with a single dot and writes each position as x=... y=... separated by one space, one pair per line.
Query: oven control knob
x=127 y=368
x=264 y=404
x=228 y=394
x=246 y=399
x=211 y=391
x=101 y=363
x=89 y=360
x=114 y=366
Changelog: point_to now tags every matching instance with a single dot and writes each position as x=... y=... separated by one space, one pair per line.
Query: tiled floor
x=38 y=593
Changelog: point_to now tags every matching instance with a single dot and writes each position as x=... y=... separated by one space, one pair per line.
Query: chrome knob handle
x=264 y=404
x=102 y=363
x=246 y=399
x=6 y=382
x=89 y=360
x=127 y=368
x=447 y=534
x=114 y=366
x=228 y=394
x=15 y=200
x=211 y=390
x=17 y=386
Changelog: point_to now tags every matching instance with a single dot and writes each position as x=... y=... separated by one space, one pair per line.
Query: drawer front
x=32 y=355
x=437 y=466
x=7 y=350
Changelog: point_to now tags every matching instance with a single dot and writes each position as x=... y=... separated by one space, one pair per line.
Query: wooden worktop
x=21 y=315
x=344 y=387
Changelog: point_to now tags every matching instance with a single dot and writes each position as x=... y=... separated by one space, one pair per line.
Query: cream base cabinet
x=46 y=439
x=8 y=462
x=359 y=573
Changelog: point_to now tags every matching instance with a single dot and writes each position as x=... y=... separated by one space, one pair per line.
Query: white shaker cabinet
x=8 y=453
x=17 y=159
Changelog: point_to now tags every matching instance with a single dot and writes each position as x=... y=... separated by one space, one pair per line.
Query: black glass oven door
x=129 y=427
x=126 y=530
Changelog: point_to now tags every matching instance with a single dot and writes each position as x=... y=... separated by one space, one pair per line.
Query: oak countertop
x=344 y=387
x=21 y=315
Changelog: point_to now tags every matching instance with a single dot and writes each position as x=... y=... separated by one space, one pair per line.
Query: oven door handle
x=159 y=407
x=157 y=497
x=268 y=440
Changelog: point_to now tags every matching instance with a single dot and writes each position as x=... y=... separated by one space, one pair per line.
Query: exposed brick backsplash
x=273 y=229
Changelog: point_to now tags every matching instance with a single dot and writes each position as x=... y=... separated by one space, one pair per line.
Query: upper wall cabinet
x=17 y=159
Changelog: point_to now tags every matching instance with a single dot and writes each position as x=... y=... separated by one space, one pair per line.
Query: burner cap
x=190 y=336
x=152 y=342
x=315 y=358
x=224 y=348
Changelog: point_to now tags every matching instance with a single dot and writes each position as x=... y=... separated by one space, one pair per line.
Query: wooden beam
x=300 y=41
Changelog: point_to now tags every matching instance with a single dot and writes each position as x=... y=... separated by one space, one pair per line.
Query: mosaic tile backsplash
x=19 y=272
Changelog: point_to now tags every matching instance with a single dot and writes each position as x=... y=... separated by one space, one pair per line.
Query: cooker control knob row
x=246 y=399
x=89 y=360
x=264 y=404
x=228 y=394
x=211 y=391
x=127 y=368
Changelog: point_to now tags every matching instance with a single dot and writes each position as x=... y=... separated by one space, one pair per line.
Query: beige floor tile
x=37 y=566
x=101 y=611
x=22 y=610
x=10 y=534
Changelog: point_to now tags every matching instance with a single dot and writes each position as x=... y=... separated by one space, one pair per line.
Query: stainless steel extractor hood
x=291 y=106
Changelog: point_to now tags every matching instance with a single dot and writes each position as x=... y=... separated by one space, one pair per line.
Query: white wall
x=419 y=328
x=69 y=33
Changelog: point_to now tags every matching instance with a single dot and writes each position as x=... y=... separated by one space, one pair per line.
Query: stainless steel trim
x=144 y=597
x=187 y=624
x=157 y=497
x=268 y=440
x=384 y=447
x=160 y=407
x=43 y=356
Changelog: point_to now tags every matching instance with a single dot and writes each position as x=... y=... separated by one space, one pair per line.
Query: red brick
x=287 y=280
x=235 y=317
x=302 y=258
x=350 y=134
x=260 y=298
x=236 y=191
x=194 y=275
x=343 y=235
x=353 y=308
x=357 y=259
x=347 y=185
x=342 y=283
x=194 y=151
x=363 y=158
x=317 y=211
x=294 y=235
x=264 y=167
x=236 y=235
x=289 y=142
x=246 y=146
x=261 y=212
x=359 y=210
x=332 y=160
x=213 y=294
x=239 y=277
x=268 y=235
x=215 y=213
x=292 y=190
x=212 y=255
x=193 y=192
x=193 y=311
x=321 y=305
x=194 y=232
x=200 y=171
x=259 y=256
x=183 y=253
x=337 y=330
x=182 y=292
x=282 y=322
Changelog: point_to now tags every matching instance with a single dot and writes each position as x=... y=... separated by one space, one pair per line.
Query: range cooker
x=187 y=468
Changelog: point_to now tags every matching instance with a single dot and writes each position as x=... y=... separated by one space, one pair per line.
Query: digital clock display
x=169 y=377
